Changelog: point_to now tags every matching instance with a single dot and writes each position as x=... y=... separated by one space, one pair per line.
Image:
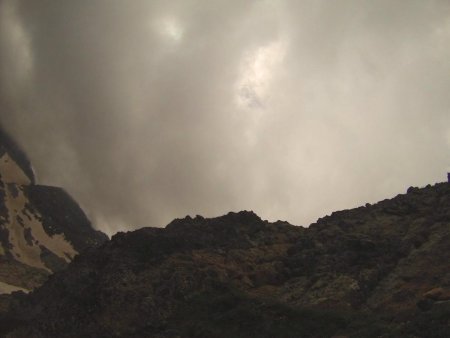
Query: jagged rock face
x=377 y=270
x=41 y=228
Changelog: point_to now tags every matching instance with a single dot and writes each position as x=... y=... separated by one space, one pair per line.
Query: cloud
x=147 y=111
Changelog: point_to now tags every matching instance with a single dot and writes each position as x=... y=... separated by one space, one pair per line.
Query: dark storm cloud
x=150 y=110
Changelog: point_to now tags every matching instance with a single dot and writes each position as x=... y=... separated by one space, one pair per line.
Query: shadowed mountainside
x=377 y=270
x=41 y=228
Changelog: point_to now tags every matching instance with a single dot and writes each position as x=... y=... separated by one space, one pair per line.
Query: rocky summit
x=41 y=228
x=379 y=270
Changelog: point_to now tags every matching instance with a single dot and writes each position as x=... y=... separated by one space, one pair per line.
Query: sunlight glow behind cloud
x=170 y=28
x=257 y=68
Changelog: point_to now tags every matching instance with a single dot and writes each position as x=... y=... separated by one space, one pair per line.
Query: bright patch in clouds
x=170 y=28
x=258 y=68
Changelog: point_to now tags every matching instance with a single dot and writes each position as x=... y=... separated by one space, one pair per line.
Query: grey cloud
x=150 y=110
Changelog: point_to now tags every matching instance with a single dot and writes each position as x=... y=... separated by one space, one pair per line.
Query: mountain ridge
x=376 y=270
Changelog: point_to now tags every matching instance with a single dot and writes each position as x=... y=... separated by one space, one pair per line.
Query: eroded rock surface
x=379 y=270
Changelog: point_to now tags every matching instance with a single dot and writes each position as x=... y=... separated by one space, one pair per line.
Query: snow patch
x=20 y=221
x=6 y=288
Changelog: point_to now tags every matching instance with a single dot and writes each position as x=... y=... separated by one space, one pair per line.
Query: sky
x=146 y=111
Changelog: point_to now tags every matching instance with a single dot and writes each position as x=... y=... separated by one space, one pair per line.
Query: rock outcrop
x=41 y=228
x=376 y=271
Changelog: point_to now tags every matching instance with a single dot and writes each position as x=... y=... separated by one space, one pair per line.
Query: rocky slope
x=41 y=228
x=376 y=271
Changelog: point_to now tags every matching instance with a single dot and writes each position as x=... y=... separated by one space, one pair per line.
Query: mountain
x=41 y=228
x=379 y=270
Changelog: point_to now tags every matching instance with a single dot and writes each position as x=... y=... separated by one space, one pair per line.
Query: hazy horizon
x=146 y=111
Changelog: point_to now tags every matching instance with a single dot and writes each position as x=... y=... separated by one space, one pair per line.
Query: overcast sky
x=150 y=110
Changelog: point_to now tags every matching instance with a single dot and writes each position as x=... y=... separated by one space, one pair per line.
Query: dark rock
x=53 y=262
x=366 y=272
x=62 y=215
